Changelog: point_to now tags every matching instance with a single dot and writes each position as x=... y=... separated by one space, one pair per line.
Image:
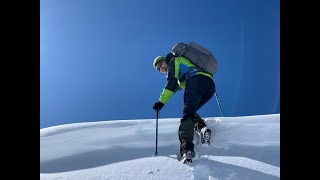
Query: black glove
x=158 y=106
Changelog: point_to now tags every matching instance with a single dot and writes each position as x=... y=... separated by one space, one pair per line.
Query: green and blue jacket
x=179 y=70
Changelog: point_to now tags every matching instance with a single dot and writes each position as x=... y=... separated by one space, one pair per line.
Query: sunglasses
x=159 y=66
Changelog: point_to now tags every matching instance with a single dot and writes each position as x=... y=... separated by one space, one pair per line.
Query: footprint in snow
x=153 y=171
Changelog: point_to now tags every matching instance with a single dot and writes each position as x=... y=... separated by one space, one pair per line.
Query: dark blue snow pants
x=199 y=90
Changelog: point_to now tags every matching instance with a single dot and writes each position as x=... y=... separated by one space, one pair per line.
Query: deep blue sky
x=96 y=56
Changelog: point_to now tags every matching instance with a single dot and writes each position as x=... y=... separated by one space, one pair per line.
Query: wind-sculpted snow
x=245 y=147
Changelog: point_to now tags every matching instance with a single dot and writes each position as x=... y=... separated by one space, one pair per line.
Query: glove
x=158 y=106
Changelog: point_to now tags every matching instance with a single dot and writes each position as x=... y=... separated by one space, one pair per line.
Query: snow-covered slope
x=246 y=147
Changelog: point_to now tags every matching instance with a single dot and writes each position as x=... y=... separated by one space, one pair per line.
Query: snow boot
x=205 y=135
x=187 y=157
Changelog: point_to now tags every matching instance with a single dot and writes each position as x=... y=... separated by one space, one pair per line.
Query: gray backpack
x=197 y=54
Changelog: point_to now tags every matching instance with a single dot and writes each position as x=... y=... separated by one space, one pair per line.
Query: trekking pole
x=218 y=103
x=157 y=132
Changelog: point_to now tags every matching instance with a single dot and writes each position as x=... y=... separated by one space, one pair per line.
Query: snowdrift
x=246 y=147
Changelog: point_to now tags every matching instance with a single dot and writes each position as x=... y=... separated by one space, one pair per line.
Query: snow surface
x=246 y=147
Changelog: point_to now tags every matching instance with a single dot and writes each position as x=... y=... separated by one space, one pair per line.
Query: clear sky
x=115 y=150
x=96 y=56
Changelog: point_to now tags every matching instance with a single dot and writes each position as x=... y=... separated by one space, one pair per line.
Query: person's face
x=162 y=67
